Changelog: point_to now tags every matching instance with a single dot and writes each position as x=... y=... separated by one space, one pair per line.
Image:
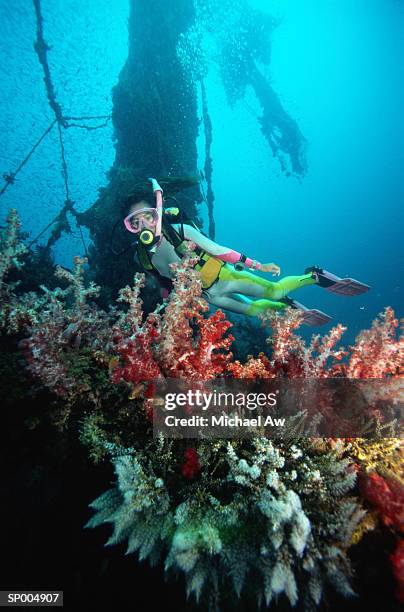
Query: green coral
x=262 y=518
x=11 y=248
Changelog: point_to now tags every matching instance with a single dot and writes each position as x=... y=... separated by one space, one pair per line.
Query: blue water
x=337 y=67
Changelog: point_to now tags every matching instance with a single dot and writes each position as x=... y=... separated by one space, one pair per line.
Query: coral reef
x=254 y=518
x=179 y=342
x=382 y=486
x=11 y=252
x=19 y=307
x=65 y=324
x=377 y=353
x=11 y=249
x=262 y=518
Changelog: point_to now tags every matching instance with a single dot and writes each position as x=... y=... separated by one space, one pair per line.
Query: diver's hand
x=271 y=267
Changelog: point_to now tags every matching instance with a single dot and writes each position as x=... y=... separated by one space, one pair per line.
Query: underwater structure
x=155 y=121
x=156 y=114
x=160 y=104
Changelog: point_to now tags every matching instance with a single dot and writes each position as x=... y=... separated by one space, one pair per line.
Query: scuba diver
x=227 y=276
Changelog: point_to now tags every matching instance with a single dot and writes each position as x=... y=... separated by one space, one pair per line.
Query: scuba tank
x=170 y=216
x=208 y=265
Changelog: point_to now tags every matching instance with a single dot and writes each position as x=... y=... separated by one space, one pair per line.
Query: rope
x=82 y=239
x=10 y=177
x=88 y=127
x=64 y=165
x=208 y=169
x=41 y=49
x=87 y=118
x=43 y=231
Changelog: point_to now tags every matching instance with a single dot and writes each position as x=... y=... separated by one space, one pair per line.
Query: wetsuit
x=238 y=291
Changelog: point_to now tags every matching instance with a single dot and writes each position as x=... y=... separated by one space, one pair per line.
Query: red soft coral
x=377 y=352
x=397 y=561
x=387 y=495
x=180 y=343
x=191 y=466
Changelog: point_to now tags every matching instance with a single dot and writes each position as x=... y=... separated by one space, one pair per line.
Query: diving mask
x=145 y=218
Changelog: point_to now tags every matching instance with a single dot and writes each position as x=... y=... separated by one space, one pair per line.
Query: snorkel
x=149 y=230
x=158 y=192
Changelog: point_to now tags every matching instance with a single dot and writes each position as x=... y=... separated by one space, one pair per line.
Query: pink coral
x=181 y=342
x=377 y=352
x=61 y=328
x=290 y=357
x=191 y=345
x=387 y=495
x=255 y=367
x=137 y=355
x=43 y=351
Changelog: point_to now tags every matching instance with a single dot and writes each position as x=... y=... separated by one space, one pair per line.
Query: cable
x=111 y=238
x=42 y=49
x=88 y=127
x=9 y=178
x=87 y=118
x=64 y=165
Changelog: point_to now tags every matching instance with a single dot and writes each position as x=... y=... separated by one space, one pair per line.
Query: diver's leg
x=245 y=306
x=246 y=283
x=240 y=304
x=311 y=316
x=221 y=295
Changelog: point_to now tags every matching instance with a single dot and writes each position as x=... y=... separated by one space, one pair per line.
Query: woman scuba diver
x=226 y=276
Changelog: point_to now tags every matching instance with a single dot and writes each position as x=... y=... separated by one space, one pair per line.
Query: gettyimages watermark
x=234 y=408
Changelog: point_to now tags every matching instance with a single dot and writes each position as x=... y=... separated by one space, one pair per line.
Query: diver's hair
x=142 y=190
x=134 y=198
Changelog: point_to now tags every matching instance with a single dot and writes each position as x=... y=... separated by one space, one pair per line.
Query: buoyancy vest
x=208 y=266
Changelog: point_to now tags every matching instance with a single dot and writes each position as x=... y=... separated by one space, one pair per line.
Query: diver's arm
x=221 y=252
